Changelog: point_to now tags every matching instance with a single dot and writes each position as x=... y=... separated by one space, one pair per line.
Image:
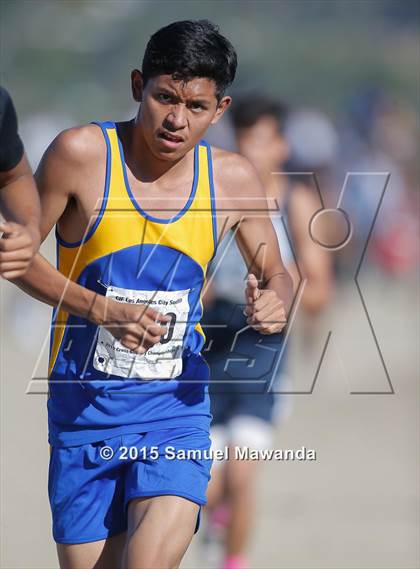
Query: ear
x=137 y=85
x=221 y=108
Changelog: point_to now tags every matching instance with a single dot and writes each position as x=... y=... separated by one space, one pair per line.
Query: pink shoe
x=235 y=562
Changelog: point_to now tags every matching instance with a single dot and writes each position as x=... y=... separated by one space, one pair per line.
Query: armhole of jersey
x=212 y=197
x=103 y=126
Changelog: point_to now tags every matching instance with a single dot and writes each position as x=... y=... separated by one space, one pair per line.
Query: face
x=174 y=115
x=263 y=144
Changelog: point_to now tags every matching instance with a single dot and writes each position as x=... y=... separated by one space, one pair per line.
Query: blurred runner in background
x=19 y=201
x=245 y=367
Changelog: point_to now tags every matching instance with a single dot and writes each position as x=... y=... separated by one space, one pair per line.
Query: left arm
x=269 y=291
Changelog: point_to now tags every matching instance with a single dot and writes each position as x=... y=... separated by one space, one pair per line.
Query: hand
x=265 y=311
x=18 y=246
x=138 y=328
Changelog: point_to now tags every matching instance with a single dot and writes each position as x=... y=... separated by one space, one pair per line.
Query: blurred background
x=348 y=73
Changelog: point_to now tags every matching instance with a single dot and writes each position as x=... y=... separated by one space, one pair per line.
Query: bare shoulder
x=78 y=144
x=238 y=189
x=69 y=158
x=234 y=174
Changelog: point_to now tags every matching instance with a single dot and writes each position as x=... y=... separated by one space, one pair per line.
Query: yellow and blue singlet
x=97 y=387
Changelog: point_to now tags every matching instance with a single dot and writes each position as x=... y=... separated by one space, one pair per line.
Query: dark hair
x=248 y=109
x=189 y=49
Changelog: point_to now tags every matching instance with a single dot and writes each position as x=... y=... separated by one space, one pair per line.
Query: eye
x=163 y=97
x=197 y=107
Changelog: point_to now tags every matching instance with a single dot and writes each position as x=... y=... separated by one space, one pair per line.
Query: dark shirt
x=11 y=147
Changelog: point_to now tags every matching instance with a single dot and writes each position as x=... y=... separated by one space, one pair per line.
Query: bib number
x=161 y=361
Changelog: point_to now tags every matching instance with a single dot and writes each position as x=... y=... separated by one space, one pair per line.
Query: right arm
x=59 y=178
x=56 y=179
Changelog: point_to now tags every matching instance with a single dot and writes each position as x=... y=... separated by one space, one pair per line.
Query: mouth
x=170 y=140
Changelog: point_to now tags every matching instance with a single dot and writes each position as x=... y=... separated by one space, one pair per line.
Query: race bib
x=163 y=360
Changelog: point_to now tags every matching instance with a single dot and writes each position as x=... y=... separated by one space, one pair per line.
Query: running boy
x=140 y=207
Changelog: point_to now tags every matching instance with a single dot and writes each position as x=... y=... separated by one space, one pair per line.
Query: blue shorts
x=89 y=489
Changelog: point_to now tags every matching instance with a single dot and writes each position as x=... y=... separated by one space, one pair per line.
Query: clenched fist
x=138 y=328
x=18 y=245
x=265 y=312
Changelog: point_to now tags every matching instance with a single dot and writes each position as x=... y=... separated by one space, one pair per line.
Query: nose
x=177 y=118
